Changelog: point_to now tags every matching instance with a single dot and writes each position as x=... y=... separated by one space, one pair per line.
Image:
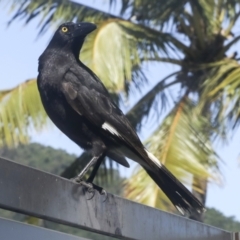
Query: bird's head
x=71 y=36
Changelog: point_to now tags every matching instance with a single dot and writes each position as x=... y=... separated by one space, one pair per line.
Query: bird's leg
x=89 y=183
x=98 y=150
x=79 y=177
x=95 y=169
x=94 y=173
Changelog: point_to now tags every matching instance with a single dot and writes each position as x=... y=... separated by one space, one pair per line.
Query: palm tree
x=195 y=36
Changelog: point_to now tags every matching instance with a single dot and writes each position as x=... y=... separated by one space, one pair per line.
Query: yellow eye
x=64 y=29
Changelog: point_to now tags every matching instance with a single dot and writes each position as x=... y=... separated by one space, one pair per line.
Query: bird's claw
x=91 y=188
x=104 y=192
x=100 y=190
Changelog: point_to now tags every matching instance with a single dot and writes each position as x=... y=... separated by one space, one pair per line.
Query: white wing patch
x=180 y=210
x=153 y=158
x=110 y=128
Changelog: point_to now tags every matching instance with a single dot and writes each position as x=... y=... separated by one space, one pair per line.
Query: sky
x=19 y=52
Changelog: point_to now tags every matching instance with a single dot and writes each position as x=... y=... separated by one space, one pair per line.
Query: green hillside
x=41 y=157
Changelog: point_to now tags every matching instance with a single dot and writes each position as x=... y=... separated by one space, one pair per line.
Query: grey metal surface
x=11 y=230
x=236 y=236
x=50 y=197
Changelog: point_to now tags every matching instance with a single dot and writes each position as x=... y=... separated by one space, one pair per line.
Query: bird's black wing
x=89 y=98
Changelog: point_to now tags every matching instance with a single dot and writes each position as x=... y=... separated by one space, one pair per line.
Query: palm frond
x=183 y=145
x=20 y=109
x=222 y=90
x=160 y=12
x=55 y=12
x=154 y=12
x=142 y=108
x=116 y=50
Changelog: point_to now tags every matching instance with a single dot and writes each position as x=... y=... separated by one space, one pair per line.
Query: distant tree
x=215 y=218
x=38 y=156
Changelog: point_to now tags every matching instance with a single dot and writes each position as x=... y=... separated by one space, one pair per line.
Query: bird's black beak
x=84 y=28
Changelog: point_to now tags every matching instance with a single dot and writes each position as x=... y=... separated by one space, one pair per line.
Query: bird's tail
x=178 y=194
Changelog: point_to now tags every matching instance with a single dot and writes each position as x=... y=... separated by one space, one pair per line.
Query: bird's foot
x=100 y=190
x=91 y=187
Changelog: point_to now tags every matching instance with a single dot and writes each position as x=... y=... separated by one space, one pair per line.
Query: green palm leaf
x=55 y=12
x=183 y=145
x=159 y=12
x=222 y=89
x=154 y=12
x=116 y=50
x=20 y=110
x=142 y=108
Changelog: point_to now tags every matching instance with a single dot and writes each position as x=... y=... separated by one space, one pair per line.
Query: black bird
x=80 y=106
